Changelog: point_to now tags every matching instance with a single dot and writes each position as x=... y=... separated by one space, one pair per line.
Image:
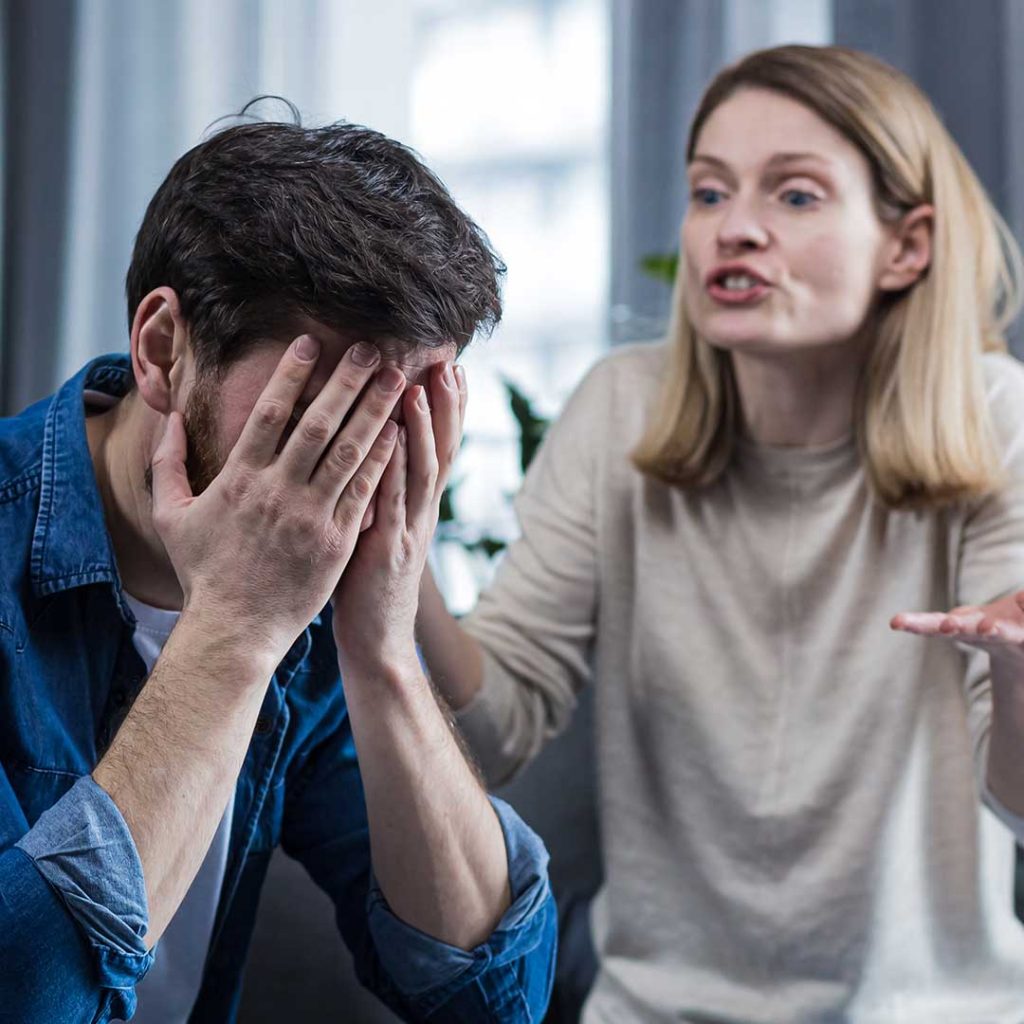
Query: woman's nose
x=741 y=226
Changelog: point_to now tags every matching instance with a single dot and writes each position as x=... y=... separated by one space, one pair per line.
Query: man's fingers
x=324 y=415
x=391 y=495
x=350 y=447
x=261 y=435
x=422 y=470
x=171 y=488
x=369 y=515
x=357 y=495
x=446 y=415
x=460 y=380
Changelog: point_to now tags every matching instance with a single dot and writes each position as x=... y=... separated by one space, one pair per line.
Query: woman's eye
x=798 y=197
x=707 y=196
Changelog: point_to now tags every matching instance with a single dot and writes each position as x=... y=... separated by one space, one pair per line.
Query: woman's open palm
x=997 y=627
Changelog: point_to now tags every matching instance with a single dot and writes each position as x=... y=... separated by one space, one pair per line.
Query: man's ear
x=159 y=346
x=908 y=253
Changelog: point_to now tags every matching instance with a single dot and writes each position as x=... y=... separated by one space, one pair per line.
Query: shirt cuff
x=418 y=963
x=1014 y=822
x=83 y=848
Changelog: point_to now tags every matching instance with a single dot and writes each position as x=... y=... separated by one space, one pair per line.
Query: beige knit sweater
x=791 y=822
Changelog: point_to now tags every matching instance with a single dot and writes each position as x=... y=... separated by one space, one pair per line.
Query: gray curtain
x=968 y=55
x=37 y=44
x=663 y=53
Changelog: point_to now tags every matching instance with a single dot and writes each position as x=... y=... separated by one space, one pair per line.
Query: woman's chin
x=740 y=341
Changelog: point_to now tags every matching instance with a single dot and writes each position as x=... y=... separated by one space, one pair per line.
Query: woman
x=718 y=531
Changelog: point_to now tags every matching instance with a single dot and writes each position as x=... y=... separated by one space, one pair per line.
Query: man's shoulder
x=21 y=450
x=21 y=483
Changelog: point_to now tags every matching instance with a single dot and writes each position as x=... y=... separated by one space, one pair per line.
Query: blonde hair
x=921 y=420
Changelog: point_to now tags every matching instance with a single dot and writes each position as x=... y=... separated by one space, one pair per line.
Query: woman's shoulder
x=633 y=371
x=607 y=409
x=638 y=358
x=1004 y=388
x=1002 y=371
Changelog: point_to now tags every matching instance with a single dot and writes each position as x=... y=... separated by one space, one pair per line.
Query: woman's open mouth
x=736 y=286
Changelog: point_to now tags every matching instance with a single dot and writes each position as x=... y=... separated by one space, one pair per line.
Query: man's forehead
x=414 y=360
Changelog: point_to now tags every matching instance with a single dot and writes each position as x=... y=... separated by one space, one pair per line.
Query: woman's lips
x=736 y=284
x=738 y=296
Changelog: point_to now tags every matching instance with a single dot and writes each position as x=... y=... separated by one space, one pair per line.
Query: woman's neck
x=801 y=399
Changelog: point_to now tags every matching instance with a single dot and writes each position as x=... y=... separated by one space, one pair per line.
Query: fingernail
x=364 y=354
x=402 y=437
x=390 y=379
x=446 y=376
x=389 y=430
x=307 y=347
x=421 y=398
x=460 y=376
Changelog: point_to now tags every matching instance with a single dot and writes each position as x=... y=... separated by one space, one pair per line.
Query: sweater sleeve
x=990 y=561
x=536 y=622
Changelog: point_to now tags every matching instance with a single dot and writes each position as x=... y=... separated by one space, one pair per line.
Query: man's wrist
x=396 y=665
x=209 y=640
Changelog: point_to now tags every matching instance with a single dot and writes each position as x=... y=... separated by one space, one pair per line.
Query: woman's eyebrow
x=707 y=158
x=781 y=159
x=776 y=160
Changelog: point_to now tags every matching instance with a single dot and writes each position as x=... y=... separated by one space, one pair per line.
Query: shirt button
x=262 y=725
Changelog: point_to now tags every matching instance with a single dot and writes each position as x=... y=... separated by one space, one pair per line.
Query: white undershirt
x=169 y=989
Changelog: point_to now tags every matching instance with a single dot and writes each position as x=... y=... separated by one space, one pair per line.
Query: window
x=509 y=104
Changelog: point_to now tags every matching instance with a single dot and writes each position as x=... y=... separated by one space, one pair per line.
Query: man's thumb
x=171 y=488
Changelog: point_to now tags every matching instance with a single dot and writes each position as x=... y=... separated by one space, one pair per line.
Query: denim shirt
x=72 y=898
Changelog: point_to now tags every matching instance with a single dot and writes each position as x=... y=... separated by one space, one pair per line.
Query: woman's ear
x=159 y=345
x=908 y=252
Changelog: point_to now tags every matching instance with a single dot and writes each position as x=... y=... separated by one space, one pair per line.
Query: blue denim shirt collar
x=71 y=546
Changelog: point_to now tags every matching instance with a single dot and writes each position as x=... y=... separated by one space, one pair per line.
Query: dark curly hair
x=264 y=223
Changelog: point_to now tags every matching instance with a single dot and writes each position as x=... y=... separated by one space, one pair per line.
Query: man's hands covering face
x=375 y=603
x=263 y=547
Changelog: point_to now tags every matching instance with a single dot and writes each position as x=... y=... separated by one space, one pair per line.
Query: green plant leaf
x=446 y=509
x=532 y=427
x=490 y=546
x=662 y=266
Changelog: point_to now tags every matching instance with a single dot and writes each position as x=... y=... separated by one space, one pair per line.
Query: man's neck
x=121 y=440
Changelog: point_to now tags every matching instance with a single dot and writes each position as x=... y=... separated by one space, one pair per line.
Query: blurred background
x=558 y=124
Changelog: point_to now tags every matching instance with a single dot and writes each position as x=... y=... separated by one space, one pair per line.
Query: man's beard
x=203 y=462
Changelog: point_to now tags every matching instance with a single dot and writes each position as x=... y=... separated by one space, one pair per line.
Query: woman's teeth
x=738 y=282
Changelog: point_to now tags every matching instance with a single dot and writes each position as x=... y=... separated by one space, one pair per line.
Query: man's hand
x=262 y=548
x=997 y=627
x=375 y=603
x=257 y=555
x=421 y=794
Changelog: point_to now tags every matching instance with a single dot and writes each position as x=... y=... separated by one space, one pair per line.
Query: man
x=173 y=528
